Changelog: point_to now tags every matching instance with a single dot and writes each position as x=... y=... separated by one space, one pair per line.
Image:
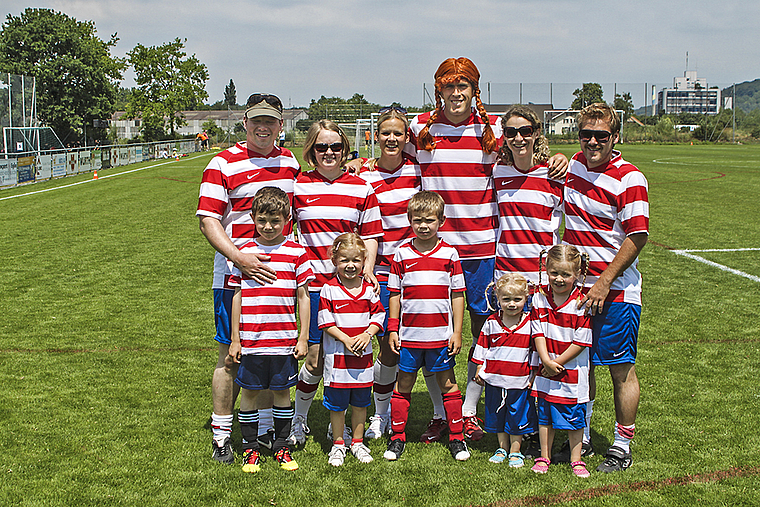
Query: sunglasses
x=398 y=109
x=525 y=131
x=322 y=147
x=272 y=100
x=601 y=136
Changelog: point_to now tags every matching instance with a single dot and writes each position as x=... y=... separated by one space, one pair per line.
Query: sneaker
x=285 y=460
x=252 y=460
x=472 y=429
x=223 y=453
x=266 y=441
x=580 y=470
x=395 y=449
x=459 y=450
x=337 y=455
x=378 y=426
x=563 y=455
x=346 y=433
x=616 y=459
x=436 y=429
x=361 y=452
x=298 y=430
x=532 y=446
x=499 y=456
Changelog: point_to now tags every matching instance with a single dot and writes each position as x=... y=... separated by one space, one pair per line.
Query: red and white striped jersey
x=461 y=172
x=268 y=311
x=426 y=283
x=326 y=209
x=602 y=206
x=504 y=353
x=393 y=189
x=230 y=181
x=352 y=315
x=530 y=212
x=562 y=326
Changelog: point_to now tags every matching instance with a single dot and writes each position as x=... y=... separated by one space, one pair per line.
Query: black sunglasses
x=322 y=147
x=398 y=109
x=272 y=100
x=525 y=131
x=601 y=136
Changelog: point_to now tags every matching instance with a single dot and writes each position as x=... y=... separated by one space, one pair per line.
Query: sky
x=387 y=50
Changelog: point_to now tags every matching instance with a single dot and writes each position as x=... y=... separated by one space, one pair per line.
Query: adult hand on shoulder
x=353 y=166
x=594 y=298
x=558 y=165
x=252 y=266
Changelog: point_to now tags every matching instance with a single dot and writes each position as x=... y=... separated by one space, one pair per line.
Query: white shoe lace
x=362 y=453
x=337 y=455
x=298 y=430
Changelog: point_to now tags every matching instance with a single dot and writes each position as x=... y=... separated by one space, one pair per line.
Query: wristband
x=393 y=325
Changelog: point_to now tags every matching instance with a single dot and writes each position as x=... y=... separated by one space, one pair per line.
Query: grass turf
x=106 y=354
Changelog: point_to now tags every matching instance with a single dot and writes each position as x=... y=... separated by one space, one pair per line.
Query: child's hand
x=394 y=342
x=234 y=352
x=551 y=369
x=360 y=343
x=455 y=344
x=477 y=378
x=302 y=348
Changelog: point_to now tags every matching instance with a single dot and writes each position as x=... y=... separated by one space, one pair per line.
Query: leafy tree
x=212 y=129
x=76 y=75
x=230 y=96
x=168 y=82
x=590 y=93
x=624 y=103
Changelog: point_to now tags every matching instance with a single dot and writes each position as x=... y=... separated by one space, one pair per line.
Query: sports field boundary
x=690 y=255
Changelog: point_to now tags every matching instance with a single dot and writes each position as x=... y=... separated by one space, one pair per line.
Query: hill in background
x=747 y=95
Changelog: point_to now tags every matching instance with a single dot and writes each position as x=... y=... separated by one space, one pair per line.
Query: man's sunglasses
x=272 y=100
x=601 y=136
x=525 y=131
x=322 y=147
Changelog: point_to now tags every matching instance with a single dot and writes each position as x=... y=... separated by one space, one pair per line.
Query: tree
x=589 y=94
x=168 y=82
x=341 y=110
x=76 y=75
x=624 y=103
x=230 y=96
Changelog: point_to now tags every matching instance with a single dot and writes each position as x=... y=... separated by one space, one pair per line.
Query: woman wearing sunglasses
x=328 y=202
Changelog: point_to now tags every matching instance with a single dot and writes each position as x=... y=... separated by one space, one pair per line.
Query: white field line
x=90 y=180
x=687 y=253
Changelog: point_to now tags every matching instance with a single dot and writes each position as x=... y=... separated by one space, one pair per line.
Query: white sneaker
x=361 y=452
x=378 y=426
x=298 y=430
x=346 y=433
x=337 y=455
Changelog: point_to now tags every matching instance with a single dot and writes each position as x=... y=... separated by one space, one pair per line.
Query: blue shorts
x=257 y=372
x=385 y=297
x=561 y=417
x=337 y=399
x=616 y=333
x=510 y=411
x=315 y=334
x=222 y=313
x=478 y=273
x=434 y=360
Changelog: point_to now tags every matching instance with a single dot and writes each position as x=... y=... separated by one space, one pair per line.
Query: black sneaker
x=615 y=460
x=266 y=441
x=563 y=455
x=395 y=449
x=459 y=450
x=532 y=446
x=223 y=453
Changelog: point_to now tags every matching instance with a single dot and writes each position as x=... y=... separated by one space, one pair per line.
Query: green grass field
x=106 y=350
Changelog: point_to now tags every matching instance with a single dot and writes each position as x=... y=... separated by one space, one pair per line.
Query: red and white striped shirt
x=352 y=315
x=603 y=206
x=230 y=181
x=530 y=212
x=326 y=209
x=461 y=172
x=268 y=311
x=393 y=189
x=562 y=326
x=505 y=353
x=426 y=283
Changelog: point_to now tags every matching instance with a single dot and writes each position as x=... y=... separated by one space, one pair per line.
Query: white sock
x=221 y=426
x=304 y=399
x=266 y=420
x=474 y=390
x=587 y=429
x=435 y=394
x=623 y=436
x=384 y=375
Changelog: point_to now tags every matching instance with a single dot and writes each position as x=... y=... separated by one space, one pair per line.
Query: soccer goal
x=30 y=140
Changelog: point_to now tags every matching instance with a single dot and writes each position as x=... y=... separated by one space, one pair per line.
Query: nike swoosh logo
x=523 y=426
x=456 y=421
x=618 y=354
x=495 y=339
x=251 y=176
x=292 y=376
x=505 y=183
x=396 y=423
x=377 y=186
x=410 y=265
x=309 y=201
x=338 y=307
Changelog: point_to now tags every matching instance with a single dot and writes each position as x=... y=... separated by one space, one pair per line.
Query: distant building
x=689 y=95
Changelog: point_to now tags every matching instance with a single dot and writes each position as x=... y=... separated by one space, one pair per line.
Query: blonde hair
x=564 y=253
x=392 y=114
x=426 y=202
x=600 y=111
x=311 y=140
x=513 y=281
x=540 y=145
x=346 y=242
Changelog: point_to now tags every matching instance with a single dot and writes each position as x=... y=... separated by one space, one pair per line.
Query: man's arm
x=249 y=264
x=629 y=251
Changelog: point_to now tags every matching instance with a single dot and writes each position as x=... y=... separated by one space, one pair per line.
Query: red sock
x=400 y=414
x=357 y=441
x=452 y=404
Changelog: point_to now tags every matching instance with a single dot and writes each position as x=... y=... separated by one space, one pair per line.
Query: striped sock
x=249 y=422
x=221 y=426
x=623 y=436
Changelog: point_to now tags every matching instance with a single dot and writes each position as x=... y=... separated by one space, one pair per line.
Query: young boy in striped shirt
x=265 y=337
x=426 y=308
